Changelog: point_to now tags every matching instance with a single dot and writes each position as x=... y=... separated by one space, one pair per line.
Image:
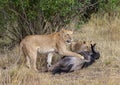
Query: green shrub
x=20 y=18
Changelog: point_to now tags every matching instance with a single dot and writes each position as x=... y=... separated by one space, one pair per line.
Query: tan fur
x=46 y=44
x=79 y=46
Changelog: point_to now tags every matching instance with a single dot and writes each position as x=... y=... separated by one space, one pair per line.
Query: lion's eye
x=67 y=34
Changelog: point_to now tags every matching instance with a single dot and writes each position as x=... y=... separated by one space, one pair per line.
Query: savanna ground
x=102 y=29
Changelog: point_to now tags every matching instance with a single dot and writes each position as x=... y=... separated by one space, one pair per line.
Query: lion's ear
x=72 y=32
x=62 y=30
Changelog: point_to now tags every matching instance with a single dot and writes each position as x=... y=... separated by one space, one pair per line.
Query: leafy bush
x=26 y=17
x=110 y=5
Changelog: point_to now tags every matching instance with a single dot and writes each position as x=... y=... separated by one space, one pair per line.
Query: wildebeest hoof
x=49 y=65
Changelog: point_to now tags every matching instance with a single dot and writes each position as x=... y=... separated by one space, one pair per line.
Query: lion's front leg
x=70 y=53
x=49 y=60
x=63 y=51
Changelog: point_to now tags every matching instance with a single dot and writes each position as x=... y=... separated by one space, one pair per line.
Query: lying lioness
x=69 y=63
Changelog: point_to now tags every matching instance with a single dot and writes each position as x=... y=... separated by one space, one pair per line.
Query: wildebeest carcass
x=69 y=63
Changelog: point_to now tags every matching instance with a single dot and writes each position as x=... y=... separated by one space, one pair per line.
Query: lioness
x=47 y=44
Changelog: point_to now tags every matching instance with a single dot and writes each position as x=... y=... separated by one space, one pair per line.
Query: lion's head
x=67 y=35
x=81 y=46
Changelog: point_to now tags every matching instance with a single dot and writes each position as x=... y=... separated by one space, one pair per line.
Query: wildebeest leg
x=59 y=69
x=49 y=60
x=67 y=69
x=95 y=54
x=86 y=64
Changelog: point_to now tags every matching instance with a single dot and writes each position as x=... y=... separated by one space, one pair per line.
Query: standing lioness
x=47 y=44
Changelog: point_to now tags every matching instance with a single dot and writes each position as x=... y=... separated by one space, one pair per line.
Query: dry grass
x=104 y=30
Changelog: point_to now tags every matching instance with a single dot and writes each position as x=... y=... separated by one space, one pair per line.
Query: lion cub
x=79 y=46
x=47 y=44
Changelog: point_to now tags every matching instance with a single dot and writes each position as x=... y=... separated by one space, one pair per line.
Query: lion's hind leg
x=28 y=62
x=31 y=60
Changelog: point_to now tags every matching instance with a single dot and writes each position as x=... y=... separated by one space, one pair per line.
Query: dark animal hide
x=69 y=63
